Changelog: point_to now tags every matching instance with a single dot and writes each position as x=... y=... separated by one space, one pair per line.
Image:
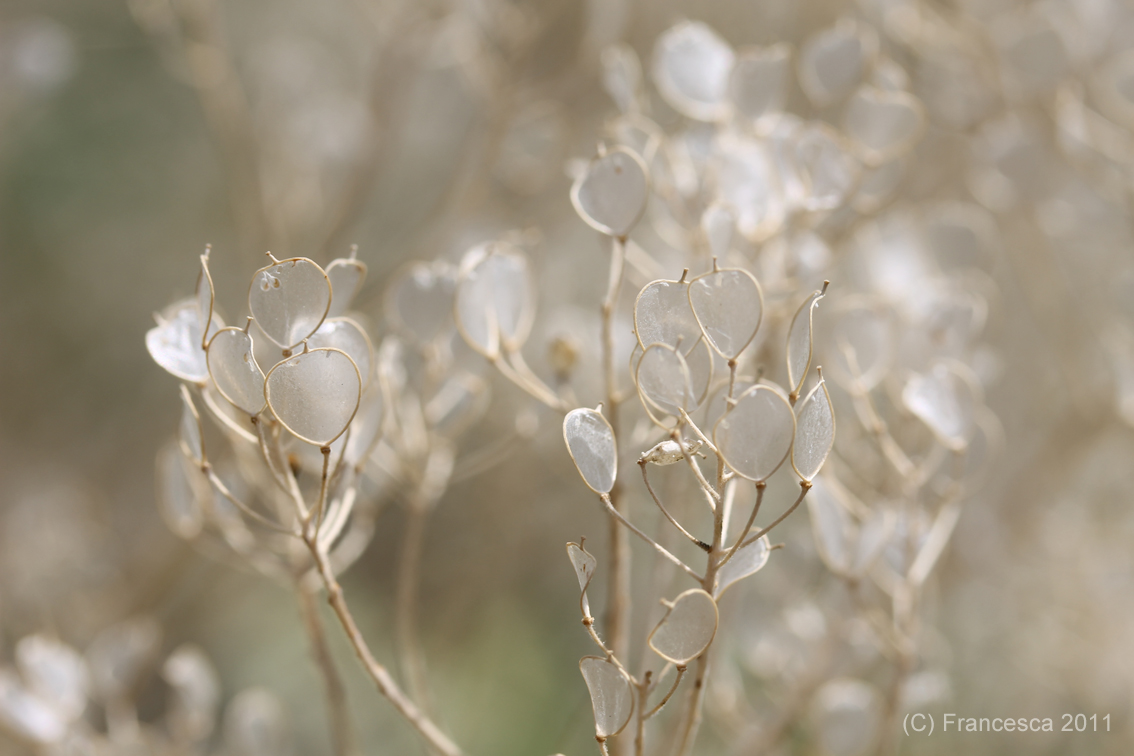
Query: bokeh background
x=132 y=134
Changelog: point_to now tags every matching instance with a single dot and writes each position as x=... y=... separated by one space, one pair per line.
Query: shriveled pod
x=835 y=60
x=748 y=560
x=612 y=697
x=664 y=381
x=494 y=304
x=315 y=394
x=206 y=298
x=289 y=300
x=662 y=315
x=175 y=342
x=346 y=275
x=758 y=84
x=419 y=301
x=611 y=194
x=348 y=336
x=946 y=400
x=591 y=443
x=687 y=628
x=814 y=432
x=801 y=342
x=235 y=372
x=728 y=305
x=755 y=435
x=691 y=68
x=883 y=124
x=584 y=564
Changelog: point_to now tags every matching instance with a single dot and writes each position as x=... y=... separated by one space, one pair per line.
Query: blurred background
x=133 y=133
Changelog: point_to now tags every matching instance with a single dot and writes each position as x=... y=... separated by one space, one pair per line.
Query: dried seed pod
x=687 y=628
x=590 y=441
x=289 y=300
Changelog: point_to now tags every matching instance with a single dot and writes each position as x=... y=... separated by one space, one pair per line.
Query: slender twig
x=747 y=526
x=224 y=491
x=621 y=518
x=804 y=487
x=379 y=674
x=338 y=713
x=646 y=478
x=669 y=695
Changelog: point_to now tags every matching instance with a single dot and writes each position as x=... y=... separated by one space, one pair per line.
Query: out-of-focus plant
x=47 y=698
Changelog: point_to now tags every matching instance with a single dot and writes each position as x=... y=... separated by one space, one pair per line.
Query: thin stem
x=669 y=695
x=220 y=486
x=646 y=478
x=748 y=526
x=804 y=487
x=413 y=663
x=619 y=517
x=704 y=439
x=386 y=684
x=537 y=390
x=517 y=363
x=338 y=713
x=618 y=576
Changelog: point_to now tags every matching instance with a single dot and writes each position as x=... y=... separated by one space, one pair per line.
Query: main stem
x=338 y=713
x=386 y=684
x=618 y=586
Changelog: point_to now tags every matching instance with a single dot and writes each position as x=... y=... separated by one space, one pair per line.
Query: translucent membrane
x=206 y=298
x=583 y=562
x=289 y=300
x=234 y=370
x=346 y=335
x=877 y=185
x=55 y=673
x=345 y=276
x=612 y=697
x=315 y=394
x=611 y=194
x=687 y=628
x=758 y=83
x=178 y=501
x=835 y=60
x=691 y=70
x=590 y=440
x=662 y=315
x=748 y=560
x=175 y=343
x=728 y=305
x=191 y=712
x=622 y=76
x=800 y=343
x=494 y=300
x=814 y=432
x=255 y=724
x=883 y=125
x=755 y=435
x=873 y=535
x=664 y=380
x=419 y=301
x=847 y=715
x=944 y=401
